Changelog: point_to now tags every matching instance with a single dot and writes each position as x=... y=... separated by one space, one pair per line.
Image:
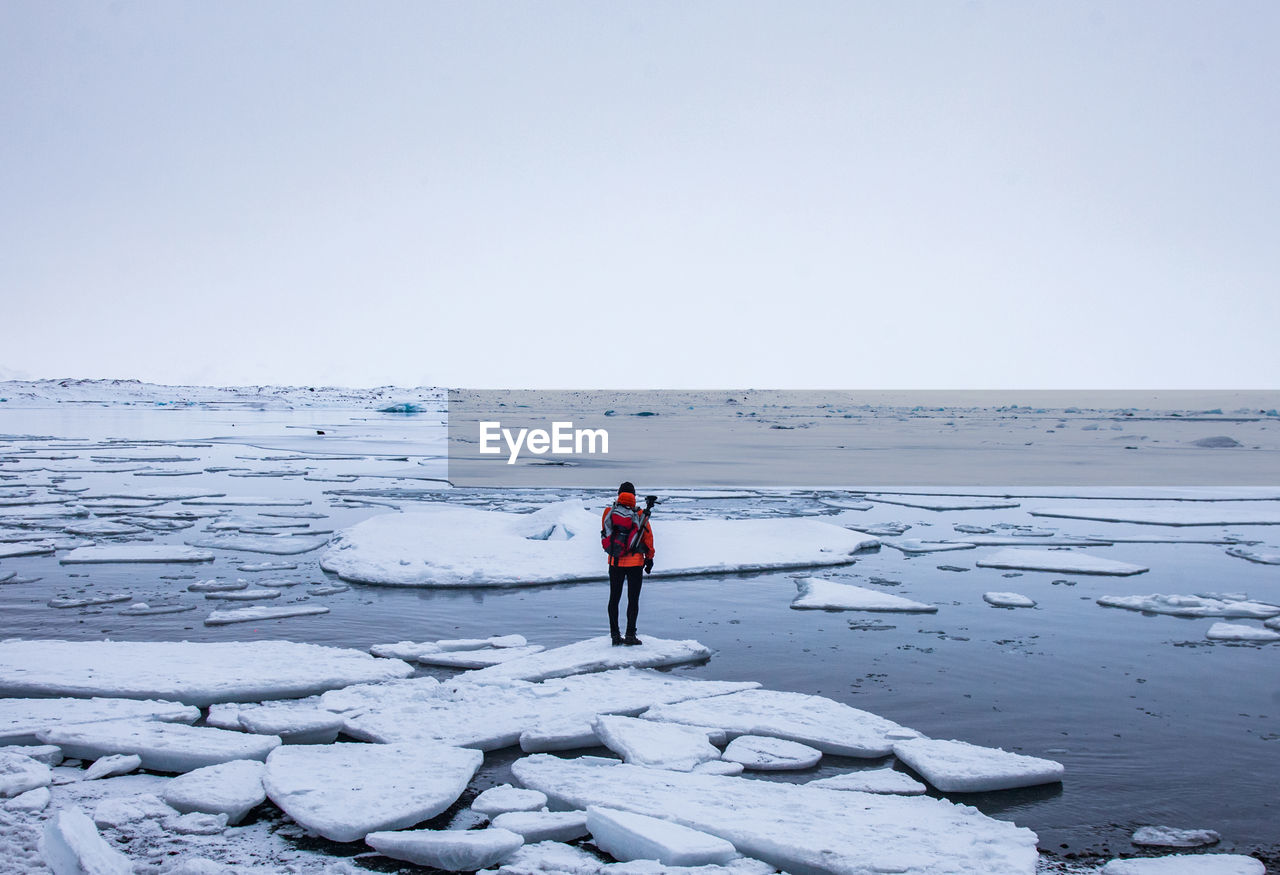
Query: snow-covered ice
x=189 y=672
x=254 y=615
x=625 y=836
x=218 y=586
x=872 y=781
x=242 y=595
x=71 y=845
x=1062 y=561
x=814 y=593
x=916 y=545
x=765 y=754
x=1187 y=864
x=22 y=719
x=163 y=747
x=346 y=791
x=267 y=566
x=1254 y=556
x=19 y=773
x=1172 y=837
x=115 y=812
x=30 y=802
x=959 y=767
x=49 y=754
x=1175 y=514
x=249 y=501
x=276 y=545
x=430 y=653
x=1191 y=605
x=659 y=745
x=451 y=850
x=817 y=721
x=544 y=826
x=88 y=600
x=943 y=502
x=595 y=654
x=142 y=609
x=794 y=827
x=504 y=798
x=1008 y=600
x=1239 y=632
x=112 y=765
x=233 y=789
x=40 y=548
x=448 y=545
x=293 y=725
x=136 y=553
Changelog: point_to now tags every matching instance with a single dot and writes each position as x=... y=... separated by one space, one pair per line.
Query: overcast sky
x=642 y=194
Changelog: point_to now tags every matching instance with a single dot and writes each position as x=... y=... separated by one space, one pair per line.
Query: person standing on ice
x=628 y=540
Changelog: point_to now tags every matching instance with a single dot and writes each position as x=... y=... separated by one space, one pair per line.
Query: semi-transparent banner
x=863 y=439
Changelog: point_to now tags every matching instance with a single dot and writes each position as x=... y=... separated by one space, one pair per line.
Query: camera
x=650 y=501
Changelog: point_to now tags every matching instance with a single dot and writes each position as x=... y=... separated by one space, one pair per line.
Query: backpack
x=621 y=532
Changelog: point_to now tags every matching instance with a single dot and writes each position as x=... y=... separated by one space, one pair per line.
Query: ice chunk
x=504 y=798
x=943 y=502
x=249 y=501
x=448 y=545
x=795 y=827
x=450 y=850
x=49 y=754
x=102 y=529
x=41 y=548
x=162 y=747
x=1171 y=837
x=915 y=545
x=1062 y=561
x=762 y=753
x=218 y=586
x=828 y=595
x=1176 y=514
x=19 y=773
x=70 y=845
x=30 y=802
x=719 y=767
x=960 y=767
x=595 y=654
x=1008 y=600
x=1187 y=864
x=189 y=672
x=232 y=789
x=242 y=595
x=136 y=553
x=110 y=766
x=293 y=725
x=659 y=745
x=85 y=601
x=872 y=781
x=346 y=791
x=142 y=609
x=625 y=835
x=197 y=824
x=1190 y=605
x=544 y=826
x=253 y=615
x=119 y=811
x=22 y=719
x=1239 y=632
x=175 y=494
x=819 y=722
x=1260 y=558
x=329 y=589
x=432 y=654
x=276 y=545
x=267 y=566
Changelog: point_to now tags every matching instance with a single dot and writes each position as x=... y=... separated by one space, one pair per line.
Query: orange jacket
x=631 y=560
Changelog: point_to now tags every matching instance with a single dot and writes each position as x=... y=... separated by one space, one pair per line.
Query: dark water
x=1154 y=724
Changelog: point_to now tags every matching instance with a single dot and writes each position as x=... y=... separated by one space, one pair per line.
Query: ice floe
x=346 y=791
x=1176 y=514
x=1252 y=556
x=277 y=545
x=595 y=654
x=267 y=566
x=100 y=528
x=1187 y=864
x=120 y=811
x=111 y=765
x=19 y=773
x=659 y=745
x=256 y=614
x=294 y=725
x=238 y=594
x=11 y=551
x=872 y=781
x=49 y=754
x=504 y=798
x=544 y=826
x=163 y=747
x=433 y=654
x=764 y=754
x=626 y=836
x=794 y=827
x=142 y=609
x=218 y=585
x=450 y=850
x=1008 y=600
x=917 y=546
x=22 y=719
x=943 y=502
x=959 y=767
x=249 y=501
x=814 y=593
x=446 y=545
x=1061 y=561
x=1191 y=605
x=232 y=789
x=1239 y=632
x=817 y=721
x=109 y=598
x=70 y=844
x=136 y=553
x=1172 y=837
x=193 y=673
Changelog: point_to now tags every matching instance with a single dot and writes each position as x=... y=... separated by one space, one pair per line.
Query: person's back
x=628 y=541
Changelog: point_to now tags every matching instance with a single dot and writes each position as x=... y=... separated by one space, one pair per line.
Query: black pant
x=634 y=576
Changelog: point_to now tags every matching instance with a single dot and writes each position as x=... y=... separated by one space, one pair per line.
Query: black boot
x=617 y=638
x=631 y=640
